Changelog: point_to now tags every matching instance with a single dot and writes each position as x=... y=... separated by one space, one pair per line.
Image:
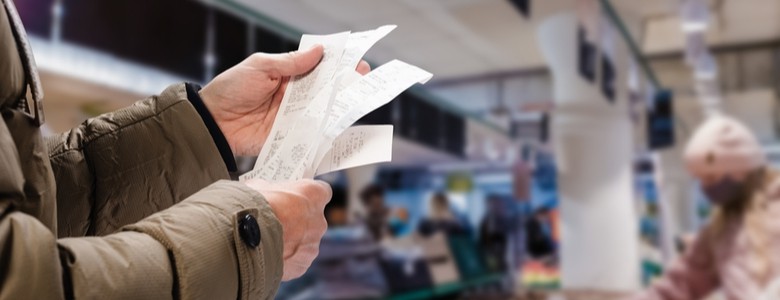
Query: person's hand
x=244 y=99
x=299 y=206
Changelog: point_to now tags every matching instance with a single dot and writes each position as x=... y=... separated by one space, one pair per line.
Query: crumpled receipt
x=313 y=133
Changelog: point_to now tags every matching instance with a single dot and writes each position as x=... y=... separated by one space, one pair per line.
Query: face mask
x=724 y=192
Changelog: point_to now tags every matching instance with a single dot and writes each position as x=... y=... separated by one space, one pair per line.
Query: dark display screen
x=166 y=34
x=660 y=121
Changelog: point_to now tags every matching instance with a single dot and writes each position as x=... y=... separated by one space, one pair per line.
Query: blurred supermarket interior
x=543 y=160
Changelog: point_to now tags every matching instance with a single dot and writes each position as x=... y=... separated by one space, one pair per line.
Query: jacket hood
x=17 y=65
x=12 y=86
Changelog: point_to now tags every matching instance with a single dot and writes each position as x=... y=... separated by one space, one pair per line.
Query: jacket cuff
x=216 y=134
x=210 y=257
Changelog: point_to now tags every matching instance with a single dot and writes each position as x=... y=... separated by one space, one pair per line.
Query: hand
x=299 y=206
x=244 y=99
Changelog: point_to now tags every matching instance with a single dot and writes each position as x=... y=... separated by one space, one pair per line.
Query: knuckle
x=320 y=231
x=258 y=57
x=323 y=226
x=316 y=190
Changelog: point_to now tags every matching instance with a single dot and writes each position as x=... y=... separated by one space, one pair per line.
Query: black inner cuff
x=211 y=124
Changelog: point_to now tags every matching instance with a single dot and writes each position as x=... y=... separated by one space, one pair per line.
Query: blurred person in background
x=539 y=234
x=336 y=212
x=442 y=218
x=377 y=214
x=737 y=250
x=136 y=204
x=494 y=233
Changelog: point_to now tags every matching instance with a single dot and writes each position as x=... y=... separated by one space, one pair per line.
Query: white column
x=592 y=140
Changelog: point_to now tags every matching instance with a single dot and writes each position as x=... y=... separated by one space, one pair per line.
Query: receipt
x=311 y=134
x=372 y=91
x=301 y=90
x=357 y=146
x=367 y=94
x=358 y=44
x=294 y=153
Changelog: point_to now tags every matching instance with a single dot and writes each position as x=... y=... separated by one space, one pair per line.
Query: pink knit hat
x=723 y=146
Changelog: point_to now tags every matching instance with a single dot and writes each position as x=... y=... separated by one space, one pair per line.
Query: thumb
x=293 y=63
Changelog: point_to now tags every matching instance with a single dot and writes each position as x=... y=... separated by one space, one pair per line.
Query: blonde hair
x=749 y=214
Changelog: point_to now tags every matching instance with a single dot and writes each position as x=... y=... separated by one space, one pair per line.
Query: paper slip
x=357 y=146
x=342 y=51
x=302 y=88
x=379 y=87
x=353 y=102
x=311 y=134
x=296 y=145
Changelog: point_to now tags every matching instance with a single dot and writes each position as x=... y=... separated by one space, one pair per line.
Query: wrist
x=220 y=141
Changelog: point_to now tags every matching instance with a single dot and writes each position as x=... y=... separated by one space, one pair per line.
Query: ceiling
x=468 y=38
x=470 y=45
x=732 y=23
x=452 y=38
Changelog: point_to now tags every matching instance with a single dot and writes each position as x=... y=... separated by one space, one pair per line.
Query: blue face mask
x=725 y=192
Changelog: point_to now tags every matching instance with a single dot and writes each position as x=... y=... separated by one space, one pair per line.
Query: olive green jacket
x=130 y=205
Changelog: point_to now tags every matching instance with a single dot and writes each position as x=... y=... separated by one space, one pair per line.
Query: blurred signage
x=460 y=182
x=523 y=6
x=660 y=121
x=586 y=56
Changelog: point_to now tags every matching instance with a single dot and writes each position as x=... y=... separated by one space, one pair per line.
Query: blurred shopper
x=442 y=218
x=377 y=214
x=737 y=251
x=148 y=185
x=336 y=212
x=494 y=234
x=540 y=235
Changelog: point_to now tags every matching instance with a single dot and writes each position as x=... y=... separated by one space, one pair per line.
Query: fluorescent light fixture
x=100 y=67
x=694 y=26
x=694 y=15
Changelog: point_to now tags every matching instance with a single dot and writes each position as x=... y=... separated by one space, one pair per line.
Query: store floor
x=570 y=295
x=573 y=295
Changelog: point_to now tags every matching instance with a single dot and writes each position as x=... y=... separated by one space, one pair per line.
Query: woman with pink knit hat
x=738 y=251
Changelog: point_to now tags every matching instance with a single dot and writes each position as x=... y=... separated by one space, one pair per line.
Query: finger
x=292 y=271
x=363 y=67
x=291 y=63
x=309 y=252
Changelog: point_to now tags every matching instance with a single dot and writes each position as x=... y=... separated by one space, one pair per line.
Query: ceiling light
x=694 y=15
